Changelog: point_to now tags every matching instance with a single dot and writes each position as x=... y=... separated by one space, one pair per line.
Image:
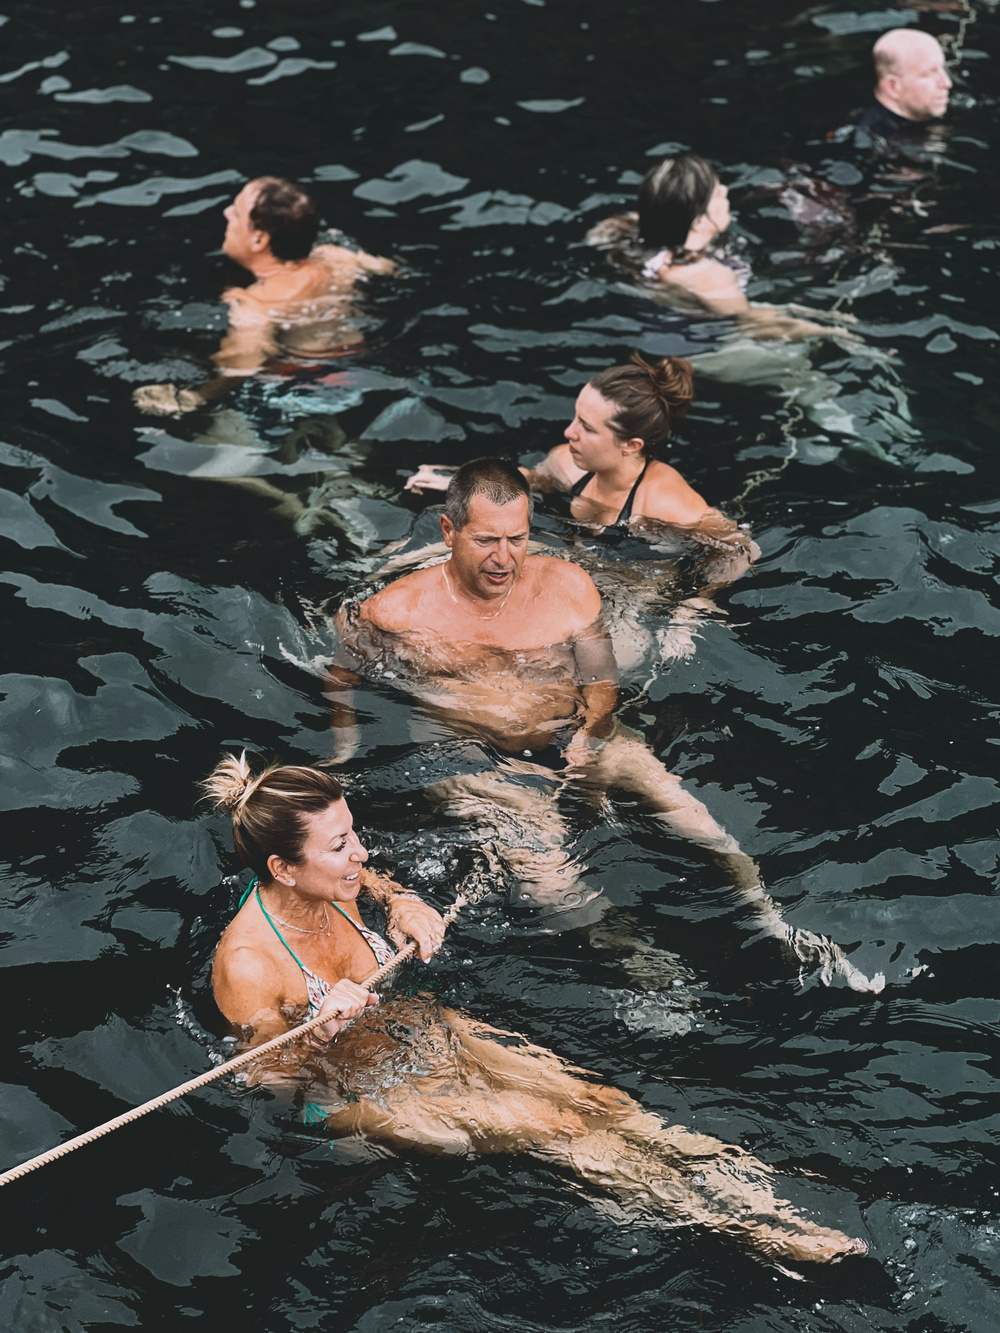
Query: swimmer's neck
x=267 y=265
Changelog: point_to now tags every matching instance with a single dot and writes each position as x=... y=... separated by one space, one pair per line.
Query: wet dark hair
x=268 y=810
x=288 y=214
x=672 y=196
x=650 y=397
x=498 y=480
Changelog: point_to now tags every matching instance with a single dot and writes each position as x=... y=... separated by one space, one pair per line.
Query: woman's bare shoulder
x=669 y=498
x=705 y=277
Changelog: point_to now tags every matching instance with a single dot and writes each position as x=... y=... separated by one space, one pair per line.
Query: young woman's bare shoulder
x=671 y=499
x=706 y=277
x=241 y=966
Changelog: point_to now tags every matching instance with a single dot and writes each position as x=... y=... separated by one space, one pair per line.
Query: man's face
x=921 y=83
x=487 y=554
x=242 y=240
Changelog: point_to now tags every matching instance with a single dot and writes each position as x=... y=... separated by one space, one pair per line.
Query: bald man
x=911 y=85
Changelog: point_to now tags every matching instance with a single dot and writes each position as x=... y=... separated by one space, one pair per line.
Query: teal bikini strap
x=346 y=914
x=256 y=889
x=247 y=892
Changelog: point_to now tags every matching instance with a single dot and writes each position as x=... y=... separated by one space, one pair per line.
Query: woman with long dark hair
x=674 y=244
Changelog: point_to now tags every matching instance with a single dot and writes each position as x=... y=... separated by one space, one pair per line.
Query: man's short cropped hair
x=288 y=214
x=498 y=480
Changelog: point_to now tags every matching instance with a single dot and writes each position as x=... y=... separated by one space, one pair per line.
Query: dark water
x=843 y=722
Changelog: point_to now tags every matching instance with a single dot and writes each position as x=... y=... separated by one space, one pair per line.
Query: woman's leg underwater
x=501 y=1094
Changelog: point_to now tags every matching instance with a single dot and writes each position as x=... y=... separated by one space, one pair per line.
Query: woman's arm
x=556 y=472
x=718 y=290
x=408 y=917
x=248 y=992
x=429 y=477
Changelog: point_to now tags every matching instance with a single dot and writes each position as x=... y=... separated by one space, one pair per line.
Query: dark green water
x=843 y=722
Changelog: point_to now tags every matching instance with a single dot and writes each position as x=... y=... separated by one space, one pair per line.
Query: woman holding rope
x=411 y=1073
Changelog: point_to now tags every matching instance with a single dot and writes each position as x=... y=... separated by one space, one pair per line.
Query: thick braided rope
x=231 y=1066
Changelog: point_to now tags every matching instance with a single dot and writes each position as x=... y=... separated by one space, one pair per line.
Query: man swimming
x=298 y=306
x=911 y=86
x=507 y=648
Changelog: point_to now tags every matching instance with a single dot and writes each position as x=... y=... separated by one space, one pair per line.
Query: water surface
x=842 y=721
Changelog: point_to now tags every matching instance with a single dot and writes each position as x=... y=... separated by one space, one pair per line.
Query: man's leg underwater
x=515 y=813
x=626 y=761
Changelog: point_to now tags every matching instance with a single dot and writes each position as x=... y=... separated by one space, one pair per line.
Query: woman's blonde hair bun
x=229 y=783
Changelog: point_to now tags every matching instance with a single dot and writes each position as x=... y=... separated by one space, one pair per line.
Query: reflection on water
x=838 y=720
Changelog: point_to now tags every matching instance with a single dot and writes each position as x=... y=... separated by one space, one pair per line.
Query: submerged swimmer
x=911 y=88
x=608 y=468
x=300 y=304
x=672 y=244
x=409 y=1073
x=509 y=649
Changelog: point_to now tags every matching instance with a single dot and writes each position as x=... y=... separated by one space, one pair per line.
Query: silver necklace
x=288 y=925
x=493 y=614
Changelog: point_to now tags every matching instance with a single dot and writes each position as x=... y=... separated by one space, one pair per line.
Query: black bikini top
x=622 y=521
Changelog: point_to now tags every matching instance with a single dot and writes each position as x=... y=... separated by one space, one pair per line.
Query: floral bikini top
x=735 y=263
x=317 y=988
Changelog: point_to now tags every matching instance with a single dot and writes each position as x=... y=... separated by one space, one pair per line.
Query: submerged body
x=300 y=304
x=511 y=649
x=295 y=322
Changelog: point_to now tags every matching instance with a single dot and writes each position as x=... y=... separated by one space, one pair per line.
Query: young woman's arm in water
x=556 y=472
x=550 y=475
x=716 y=288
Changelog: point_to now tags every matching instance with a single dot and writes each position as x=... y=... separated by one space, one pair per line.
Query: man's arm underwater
x=597 y=674
x=339 y=682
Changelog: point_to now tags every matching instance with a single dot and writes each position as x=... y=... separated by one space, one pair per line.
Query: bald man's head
x=910 y=77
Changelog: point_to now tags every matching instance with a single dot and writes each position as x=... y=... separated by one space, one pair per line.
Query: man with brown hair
x=299 y=304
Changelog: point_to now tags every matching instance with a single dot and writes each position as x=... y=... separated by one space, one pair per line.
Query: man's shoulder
x=396 y=607
x=553 y=573
x=874 y=118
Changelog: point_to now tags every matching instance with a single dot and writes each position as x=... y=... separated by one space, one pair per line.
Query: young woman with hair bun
x=622 y=416
x=410 y=1073
x=609 y=469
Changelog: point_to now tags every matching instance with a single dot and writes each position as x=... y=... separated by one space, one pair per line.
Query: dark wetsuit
x=622 y=521
x=875 y=129
x=876 y=119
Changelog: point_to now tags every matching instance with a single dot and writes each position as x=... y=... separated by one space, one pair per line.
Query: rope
x=471 y=892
